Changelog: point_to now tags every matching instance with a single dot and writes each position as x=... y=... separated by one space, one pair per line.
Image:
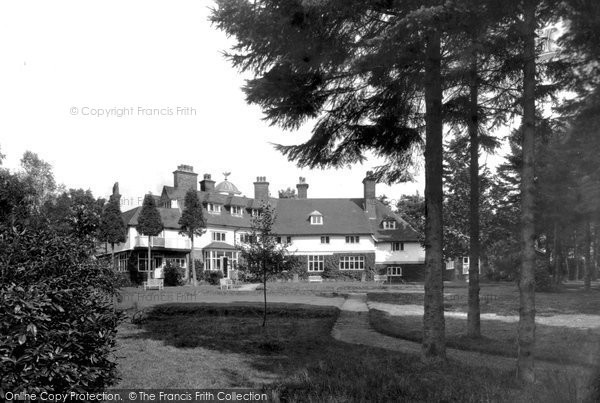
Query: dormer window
x=316 y=218
x=213 y=208
x=389 y=224
x=236 y=211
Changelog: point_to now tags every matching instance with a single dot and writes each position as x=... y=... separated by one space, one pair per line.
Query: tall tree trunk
x=264 y=270
x=149 y=265
x=525 y=362
x=194 y=277
x=558 y=258
x=112 y=255
x=434 y=343
x=576 y=256
x=595 y=256
x=587 y=246
x=473 y=315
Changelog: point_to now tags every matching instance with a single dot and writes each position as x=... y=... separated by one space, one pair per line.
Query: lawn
x=294 y=358
x=565 y=331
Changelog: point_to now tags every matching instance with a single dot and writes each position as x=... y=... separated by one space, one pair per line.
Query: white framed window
x=245 y=237
x=122 y=263
x=181 y=262
x=465 y=269
x=219 y=236
x=288 y=240
x=394 y=271
x=389 y=224
x=316 y=263
x=325 y=239
x=352 y=262
x=316 y=220
x=465 y=260
x=450 y=265
x=236 y=211
x=397 y=246
x=213 y=208
x=254 y=212
x=353 y=239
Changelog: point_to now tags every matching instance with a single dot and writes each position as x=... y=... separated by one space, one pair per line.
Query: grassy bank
x=293 y=359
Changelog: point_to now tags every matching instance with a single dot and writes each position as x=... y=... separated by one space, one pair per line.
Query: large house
x=336 y=237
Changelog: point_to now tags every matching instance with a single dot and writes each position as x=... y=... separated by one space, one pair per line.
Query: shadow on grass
x=561 y=345
x=309 y=364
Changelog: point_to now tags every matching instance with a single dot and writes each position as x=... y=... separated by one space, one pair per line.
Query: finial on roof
x=226 y=174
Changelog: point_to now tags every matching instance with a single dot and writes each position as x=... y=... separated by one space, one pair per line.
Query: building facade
x=334 y=238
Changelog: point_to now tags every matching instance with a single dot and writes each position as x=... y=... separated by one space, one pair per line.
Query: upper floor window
x=219 y=236
x=352 y=239
x=254 y=212
x=236 y=210
x=245 y=238
x=288 y=240
x=316 y=219
x=389 y=224
x=325 y=239
x=213 y=208
x=397 y=246
x=278 y=239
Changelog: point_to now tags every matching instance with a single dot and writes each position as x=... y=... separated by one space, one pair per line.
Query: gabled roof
x=403 y=231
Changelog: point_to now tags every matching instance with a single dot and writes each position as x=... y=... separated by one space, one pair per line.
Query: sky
x=111 y=91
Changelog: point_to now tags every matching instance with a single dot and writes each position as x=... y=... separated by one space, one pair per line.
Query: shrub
x=57 y=319
x=173 y=275
x=212 y=276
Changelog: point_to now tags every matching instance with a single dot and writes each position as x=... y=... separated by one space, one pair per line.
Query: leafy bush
x=212 y=276
x=57 y=319
x=173 y=275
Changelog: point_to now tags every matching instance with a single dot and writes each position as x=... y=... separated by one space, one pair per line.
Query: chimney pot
x=302 y=188
x=185 y=178
x=207 y=184
x=261 y=188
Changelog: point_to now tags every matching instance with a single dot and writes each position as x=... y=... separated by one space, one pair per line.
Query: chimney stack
x=261 y=188
x=185 y=178
x=302 y=188
x=207 y=184
x=369 y=195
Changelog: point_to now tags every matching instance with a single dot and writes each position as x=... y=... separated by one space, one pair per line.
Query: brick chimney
x=369 y=195
x=261 y=188
x=185 y=178
x=302 y=188
x=207 y=184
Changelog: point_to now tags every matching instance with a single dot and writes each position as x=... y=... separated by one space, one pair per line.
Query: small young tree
x=264 y=257
x=192 y=223
x=112 y=228
x=149 y=223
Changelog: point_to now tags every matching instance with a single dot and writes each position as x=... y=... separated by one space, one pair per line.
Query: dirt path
x=353 y=327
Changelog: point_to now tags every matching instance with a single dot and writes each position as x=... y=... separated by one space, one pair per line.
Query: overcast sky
x=65 y=62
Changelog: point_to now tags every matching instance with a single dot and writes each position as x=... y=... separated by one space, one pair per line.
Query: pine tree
x=149 y=224
x=192 y=224
x=112 y=228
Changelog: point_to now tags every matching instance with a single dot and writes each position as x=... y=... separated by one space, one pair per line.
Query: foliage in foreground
x=57 y=319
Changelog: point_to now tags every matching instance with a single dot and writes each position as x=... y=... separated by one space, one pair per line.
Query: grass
x=293 y=359
x=561 y=333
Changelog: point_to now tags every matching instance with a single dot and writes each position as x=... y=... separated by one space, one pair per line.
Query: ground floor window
x=181 y=262
x=122 y=263
x=157 y=261
x=316 y=262
x=450 y=265
x=394 y=271
x=352 y=262
x=219 y=259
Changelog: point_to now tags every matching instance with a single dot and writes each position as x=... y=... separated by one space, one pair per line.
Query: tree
x=39 y=174
x=412 y=209
x=262 y=255
x=192 y=224
x=288 y=193
x=149 y=224
x=364 y=70
x=112 y=228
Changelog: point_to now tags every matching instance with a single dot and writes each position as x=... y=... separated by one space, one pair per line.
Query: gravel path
x=353 y=327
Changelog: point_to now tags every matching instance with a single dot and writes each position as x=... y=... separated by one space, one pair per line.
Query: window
x=324 y=239
x=246 y=238
x=450 y=265
x=352 y=239
x=465 y=260
x=397 y=246
x=218 y=259
x=288 y=240
x=181 y=262
x=254 y=212
x=352 y=262
x=316 y=220
x=122 y=263
x=394 y=271
x=316 y=262
x=218 y=236
x=278 y=239
x=389 y=224
x=213 y=208
x=236 y=210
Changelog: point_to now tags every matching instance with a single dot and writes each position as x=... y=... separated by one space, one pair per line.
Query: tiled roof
x=219 y=245
x=169 y=217
x=403 y=231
